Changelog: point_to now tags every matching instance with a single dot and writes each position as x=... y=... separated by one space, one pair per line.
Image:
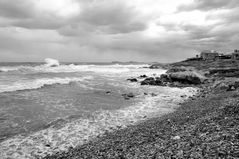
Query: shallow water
x=68 y=105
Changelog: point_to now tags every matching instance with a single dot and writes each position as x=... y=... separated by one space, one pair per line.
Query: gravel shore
x=205 y=126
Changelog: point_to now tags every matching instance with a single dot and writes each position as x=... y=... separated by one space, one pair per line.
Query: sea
x=50 y=107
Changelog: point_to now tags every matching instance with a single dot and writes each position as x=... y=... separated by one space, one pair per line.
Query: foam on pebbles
x=53 y=140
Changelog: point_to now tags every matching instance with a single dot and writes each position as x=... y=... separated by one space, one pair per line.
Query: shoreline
x=197 y=129
x=53 y=140
x=204 y=126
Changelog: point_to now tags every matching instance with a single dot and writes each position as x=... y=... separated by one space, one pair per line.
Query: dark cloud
x=104 y=16
x=209 y=5
x=112 y=18
x=76 y=30
x=40 y=23
x=16 y=9
x=22 y=13
x=116 y=30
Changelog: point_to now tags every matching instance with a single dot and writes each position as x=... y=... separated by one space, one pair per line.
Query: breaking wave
x=54 y=66
x=7 y=69
x=39 y=83
x=51 y=62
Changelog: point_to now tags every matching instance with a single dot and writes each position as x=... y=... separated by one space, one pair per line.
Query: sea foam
x=82 y=130
x=51 y=62
x=39 y=83
x=54 y=66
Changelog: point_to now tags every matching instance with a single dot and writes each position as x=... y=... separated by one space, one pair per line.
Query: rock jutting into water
x=176 y=77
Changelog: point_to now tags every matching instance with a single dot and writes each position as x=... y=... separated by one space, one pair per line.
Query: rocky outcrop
x=159 y=66
x=226 y=84
x=225 y=72
x=152 y=81
x=177 y=69
x=186 y=77
x=176 y=77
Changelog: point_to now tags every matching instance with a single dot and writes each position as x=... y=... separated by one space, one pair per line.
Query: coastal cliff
x=205 y=126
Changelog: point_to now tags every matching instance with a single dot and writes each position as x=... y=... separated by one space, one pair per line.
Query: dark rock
x=152 y=81
x=108 y=92
x=231 y=88
x=185 y=78
x=165 y=78
x=48 y=145
x=237 y=135
x=131 y=95
x=128 y=96
x=132 y=80
x=153 y=94
x=183 y=96
x=148 y=81
x=225 y=72
x=143 y=76
x=154 y=66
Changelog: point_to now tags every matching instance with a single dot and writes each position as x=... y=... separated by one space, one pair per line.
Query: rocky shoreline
x=204 y=126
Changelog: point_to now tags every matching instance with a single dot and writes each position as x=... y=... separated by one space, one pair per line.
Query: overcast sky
x=122 y=30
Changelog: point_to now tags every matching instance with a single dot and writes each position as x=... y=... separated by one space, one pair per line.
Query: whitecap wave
x=51 y=62
x=48 y=68
x=88 y=68
x=39 y=83
x=7 y=69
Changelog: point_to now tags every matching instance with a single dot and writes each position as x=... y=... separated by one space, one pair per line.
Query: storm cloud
x=109 y=30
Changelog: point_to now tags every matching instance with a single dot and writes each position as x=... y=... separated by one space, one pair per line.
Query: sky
x=116 y=30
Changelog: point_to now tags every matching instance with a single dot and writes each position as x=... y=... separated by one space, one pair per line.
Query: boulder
x=148 y=81
x=143 y=76
x=128 y=96
x=153 y=94
x=132 y=80
x=187 y=77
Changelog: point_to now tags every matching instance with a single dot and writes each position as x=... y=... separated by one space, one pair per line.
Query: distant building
x=209 y=55
x=235 y=55
x=222 y=56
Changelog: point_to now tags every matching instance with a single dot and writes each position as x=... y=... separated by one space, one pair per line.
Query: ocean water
x=49 y=107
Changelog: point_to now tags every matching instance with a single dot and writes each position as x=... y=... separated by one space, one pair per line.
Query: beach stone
x=131 y=95
x=132 y=80
x=48 y=145
x=143 y=76
x=153 y=94
x=237 y=135
x=176 y=138
x=231 y=88
x=128 y=96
